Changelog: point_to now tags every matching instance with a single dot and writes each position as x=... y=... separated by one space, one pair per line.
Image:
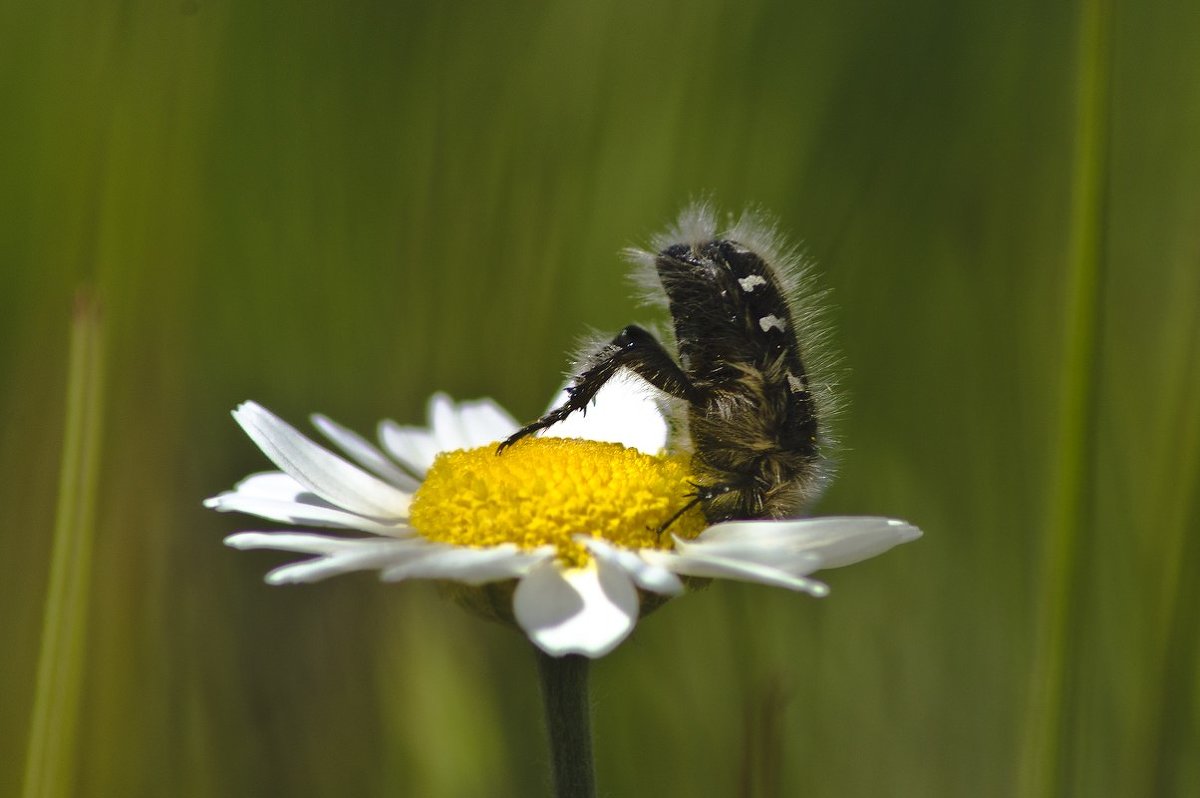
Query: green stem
x=568 y=723
x=49 y=761
x=1042 y=771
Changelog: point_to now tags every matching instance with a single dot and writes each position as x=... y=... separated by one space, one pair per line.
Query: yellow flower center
x=548 y=490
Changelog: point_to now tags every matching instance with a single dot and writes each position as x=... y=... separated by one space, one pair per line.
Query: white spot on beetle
x=748 y=284
x=767 y=322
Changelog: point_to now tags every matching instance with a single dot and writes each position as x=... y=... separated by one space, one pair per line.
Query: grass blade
x=1042 y=771
x=49 y=763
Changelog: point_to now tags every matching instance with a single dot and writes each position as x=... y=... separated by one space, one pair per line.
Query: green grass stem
x=49 y=763
x=1042 y=772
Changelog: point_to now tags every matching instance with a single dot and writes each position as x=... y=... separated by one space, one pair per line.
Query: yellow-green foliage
x=341 y=207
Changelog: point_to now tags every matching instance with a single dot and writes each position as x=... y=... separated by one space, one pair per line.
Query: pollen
x=543 y=491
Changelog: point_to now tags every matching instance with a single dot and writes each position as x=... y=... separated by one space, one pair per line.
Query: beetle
x=754 y=416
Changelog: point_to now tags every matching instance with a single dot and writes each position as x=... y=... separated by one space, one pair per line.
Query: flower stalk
x=564 y=683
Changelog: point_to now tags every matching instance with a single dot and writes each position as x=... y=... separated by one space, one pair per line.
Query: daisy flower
x=560 y=536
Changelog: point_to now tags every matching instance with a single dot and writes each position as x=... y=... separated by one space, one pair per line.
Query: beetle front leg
x=633 y=348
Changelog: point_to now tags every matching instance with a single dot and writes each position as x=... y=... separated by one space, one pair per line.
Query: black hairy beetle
x=752 y=412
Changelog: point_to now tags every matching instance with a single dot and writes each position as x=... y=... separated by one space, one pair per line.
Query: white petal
x=318 y=469
x=645 y=575
x=624 y=411
x=785 y=555
x=279 y=486
x=468 y=565
x=837 y=541
x=303 y=513
x=278 y=497
x=301 y=542
x=868 y=542
x=332 y=565
x=337 y=555
x=445 y=424
x=483 y=422
x=414 y=447
x=699 y=564
x=362 y=558
x=585 y=611
x=365 y=453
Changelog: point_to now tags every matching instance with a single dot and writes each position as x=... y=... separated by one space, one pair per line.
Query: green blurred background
x=341 y=207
